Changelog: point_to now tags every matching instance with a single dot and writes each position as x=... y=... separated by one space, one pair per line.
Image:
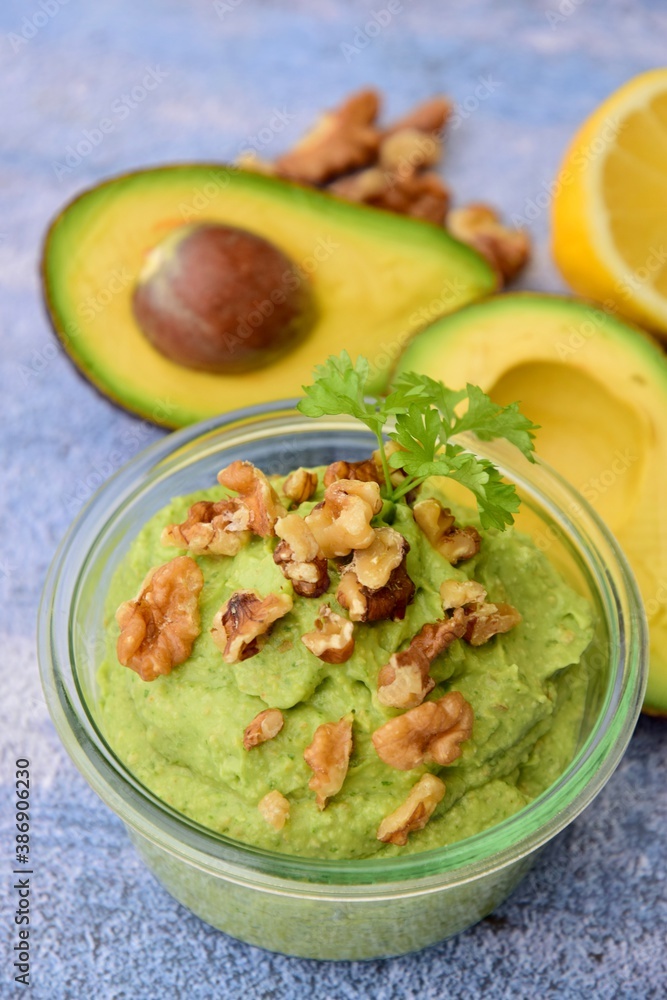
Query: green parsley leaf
x=489 y=420
x=426 y=420
x=340 y=387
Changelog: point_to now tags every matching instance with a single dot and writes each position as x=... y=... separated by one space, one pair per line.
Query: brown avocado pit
x=221 y=299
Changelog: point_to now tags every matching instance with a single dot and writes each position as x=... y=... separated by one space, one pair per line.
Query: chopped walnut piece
x=343 y=140
x=255 y=494
x=362 y=186
x=328 y=757
x=299 y=557
x=367 y=605
x=364 y=472
x=487 y=620
x=300 y=485
x=241 y=625
x=431 y=732
x=404 y=682
x=505 y=248
x=438 y=524
x=342 y=522
x=274 y=807
x=263 y=727
x=407 y=150
x=374 y=565
x=159 y=627
x=423 y=196
x=333 y=638
x=429 y=116
x=460 y=593
x=414 y=813
x=211 y=528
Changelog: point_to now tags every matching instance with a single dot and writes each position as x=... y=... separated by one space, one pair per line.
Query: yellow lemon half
x=610 y=204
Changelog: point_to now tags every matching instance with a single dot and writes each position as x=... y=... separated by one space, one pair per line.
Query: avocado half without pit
x=139 y=273
x=597 y=386
x=221 y=299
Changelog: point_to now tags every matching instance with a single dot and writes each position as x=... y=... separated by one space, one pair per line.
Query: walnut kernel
x=404 y=681
x=242 y=623
x=506 y=249
x=460 y=593
x=487 y=620
x=333 y=638
x=263 y=727
x=414 y=813
x=211 y=528
x=343 y=140
x=300 y=485
x=159 y=627
x=342 y=522
x=430 y=733
x=256 y=495
x=437 y=523
x=299 y=557
x=328 y=756
x=274 y=807
x=367 y=605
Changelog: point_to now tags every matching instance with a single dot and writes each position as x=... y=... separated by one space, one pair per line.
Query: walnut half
x=159 y=627
x=328 y=756
x=438 y=524
x=404 y=681
x=242 y=623
x=414 y=813
x=333 y=638
x=430 y=733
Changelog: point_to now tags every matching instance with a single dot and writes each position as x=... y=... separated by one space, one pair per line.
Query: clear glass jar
x=306 y=907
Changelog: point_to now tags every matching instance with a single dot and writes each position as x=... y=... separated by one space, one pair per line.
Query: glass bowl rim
x=420 y=872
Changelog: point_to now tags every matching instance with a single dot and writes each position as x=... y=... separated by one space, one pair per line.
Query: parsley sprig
x=428 y=416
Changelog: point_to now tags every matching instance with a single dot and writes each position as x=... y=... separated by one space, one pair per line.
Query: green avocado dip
x=182 y=734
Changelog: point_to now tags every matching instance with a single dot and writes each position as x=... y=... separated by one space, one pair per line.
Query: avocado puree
x=181 y=735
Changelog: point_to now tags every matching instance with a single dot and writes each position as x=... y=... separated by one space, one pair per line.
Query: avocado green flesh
x=181 y=735
x=375 y=278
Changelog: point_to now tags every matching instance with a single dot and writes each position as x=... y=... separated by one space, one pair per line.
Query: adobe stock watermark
x=132 y=439
x=579 y=334
x=565 y=9
x=121 y=108
x=486 y=86
x=364 y=34
x=537 y=204
x=32 y=24
x=225 y=7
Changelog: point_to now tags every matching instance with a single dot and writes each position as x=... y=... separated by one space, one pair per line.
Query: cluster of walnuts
x=349 y=154
x=159 y=627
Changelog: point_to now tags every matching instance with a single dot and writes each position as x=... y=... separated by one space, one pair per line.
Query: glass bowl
x=330 y=909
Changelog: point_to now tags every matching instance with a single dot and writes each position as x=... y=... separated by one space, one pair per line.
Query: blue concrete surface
x=590 y=920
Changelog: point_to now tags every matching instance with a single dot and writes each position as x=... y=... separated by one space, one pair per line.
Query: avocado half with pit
x=598 y=388
x=184 y=291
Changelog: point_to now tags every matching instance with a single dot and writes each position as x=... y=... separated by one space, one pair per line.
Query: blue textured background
x=590 y=920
